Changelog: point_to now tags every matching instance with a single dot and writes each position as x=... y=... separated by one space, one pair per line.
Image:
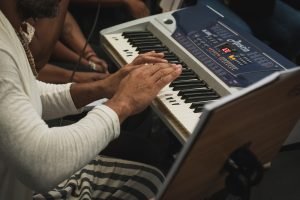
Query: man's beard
x=38 y=8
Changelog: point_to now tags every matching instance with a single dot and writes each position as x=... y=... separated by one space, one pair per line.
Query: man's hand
x=98 y=64
x=113 y=81
x=137 y=8
x=140 y=71
x=149 y=57
x=84 y=77
x=140 y=87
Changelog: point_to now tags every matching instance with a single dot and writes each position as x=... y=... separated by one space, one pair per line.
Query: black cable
x=84 y=47
x=87 y=41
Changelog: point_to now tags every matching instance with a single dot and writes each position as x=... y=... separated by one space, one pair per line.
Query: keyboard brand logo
x=238 y=43
x=295 y=91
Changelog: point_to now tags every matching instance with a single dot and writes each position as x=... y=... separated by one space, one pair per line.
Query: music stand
x=169 y=5
x=252 y=122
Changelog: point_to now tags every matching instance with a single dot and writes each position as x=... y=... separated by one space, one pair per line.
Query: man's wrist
x=89 y=54
x=127 y=2
x=102 y=88
x=120 y=107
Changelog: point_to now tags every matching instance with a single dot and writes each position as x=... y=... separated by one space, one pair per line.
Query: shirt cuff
x=114 y=118
x=72 y=107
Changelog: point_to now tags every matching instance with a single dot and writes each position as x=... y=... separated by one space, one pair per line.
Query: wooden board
x=262 y=116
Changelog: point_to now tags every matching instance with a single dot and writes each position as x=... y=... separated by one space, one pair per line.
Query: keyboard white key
x=121 y=45
x=179 y=109
x=200 y=50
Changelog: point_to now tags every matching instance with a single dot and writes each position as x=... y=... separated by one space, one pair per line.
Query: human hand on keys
x=113 y=81
x=141 y=86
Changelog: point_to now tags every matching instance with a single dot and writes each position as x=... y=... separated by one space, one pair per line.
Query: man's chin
x=31 y=9
x=40 y=15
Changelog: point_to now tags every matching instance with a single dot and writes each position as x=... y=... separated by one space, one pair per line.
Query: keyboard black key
x=148 y=39
x=199 y=99
x=146 y=43
x=198 y=104
x=199 y=94
x=150 y=46
x=189 y=86
x=185 y=82
x=204 y=89
x=186 y=77
x=136 y=34
x=198 y=109
x=157 y=49
x=187 y=71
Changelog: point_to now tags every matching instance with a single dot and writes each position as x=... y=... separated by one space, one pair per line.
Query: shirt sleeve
x=56 y=100
x=42 y=157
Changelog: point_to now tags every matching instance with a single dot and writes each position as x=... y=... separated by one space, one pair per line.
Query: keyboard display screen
x=237 y=59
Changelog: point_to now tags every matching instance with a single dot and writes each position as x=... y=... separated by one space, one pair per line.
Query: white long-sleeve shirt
x=32 y=155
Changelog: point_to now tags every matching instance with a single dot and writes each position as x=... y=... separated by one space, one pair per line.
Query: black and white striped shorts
x=109 y=178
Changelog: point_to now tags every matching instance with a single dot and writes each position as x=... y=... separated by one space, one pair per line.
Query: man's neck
x=9 y=9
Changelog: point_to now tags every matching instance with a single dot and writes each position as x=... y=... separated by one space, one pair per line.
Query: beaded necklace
x=25 y=43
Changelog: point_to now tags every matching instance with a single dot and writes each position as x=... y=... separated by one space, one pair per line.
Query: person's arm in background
x=72 y=44
x=137 y=8
x=62 y=53
x=53 y=74
x=45 y=38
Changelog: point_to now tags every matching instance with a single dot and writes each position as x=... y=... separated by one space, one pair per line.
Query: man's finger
x=170 y=76
x=155 y=54
x=103 y=63
x=151 y=59
x=164 y=70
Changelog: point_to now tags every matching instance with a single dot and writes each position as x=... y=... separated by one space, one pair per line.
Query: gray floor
x=282 y=180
